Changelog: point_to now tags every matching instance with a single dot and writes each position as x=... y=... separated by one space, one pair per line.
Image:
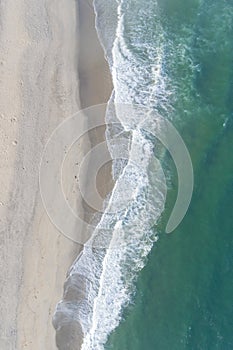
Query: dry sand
x=39 y=88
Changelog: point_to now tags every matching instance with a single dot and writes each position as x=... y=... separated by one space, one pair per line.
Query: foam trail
x=102 y=279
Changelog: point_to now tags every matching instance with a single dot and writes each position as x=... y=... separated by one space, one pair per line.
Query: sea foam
x=103 y=277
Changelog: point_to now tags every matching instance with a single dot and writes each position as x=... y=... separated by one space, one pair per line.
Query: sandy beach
x=48 y=71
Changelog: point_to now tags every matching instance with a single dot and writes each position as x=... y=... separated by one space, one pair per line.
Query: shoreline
x=93 y=72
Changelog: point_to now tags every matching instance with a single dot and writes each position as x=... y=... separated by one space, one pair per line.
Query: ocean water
x=147 y=289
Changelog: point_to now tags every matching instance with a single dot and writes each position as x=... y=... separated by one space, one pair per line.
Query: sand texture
x=39 y=88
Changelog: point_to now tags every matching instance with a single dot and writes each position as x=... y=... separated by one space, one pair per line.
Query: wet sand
x=95 y=88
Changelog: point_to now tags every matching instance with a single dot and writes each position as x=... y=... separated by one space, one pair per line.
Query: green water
x=184 y=298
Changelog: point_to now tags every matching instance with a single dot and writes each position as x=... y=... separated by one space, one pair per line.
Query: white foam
x=137 y=200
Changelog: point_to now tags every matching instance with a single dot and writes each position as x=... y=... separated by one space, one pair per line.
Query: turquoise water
x=184 y=296
x=174 y=57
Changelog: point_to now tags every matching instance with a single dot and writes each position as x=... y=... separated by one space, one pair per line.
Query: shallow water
x=184 y=294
